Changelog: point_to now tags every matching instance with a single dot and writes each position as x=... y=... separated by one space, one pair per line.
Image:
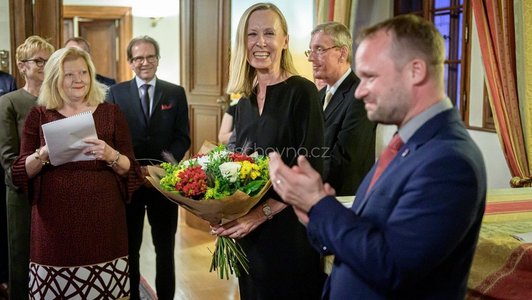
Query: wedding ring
x=278 y=181
x=93 y=152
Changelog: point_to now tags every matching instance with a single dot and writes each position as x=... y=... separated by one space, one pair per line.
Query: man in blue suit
x=157 y=115
x=411 y=235
x=349 y=135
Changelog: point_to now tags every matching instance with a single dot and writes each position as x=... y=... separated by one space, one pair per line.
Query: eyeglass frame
x=319 y=51
x=140 y=59
x=39 y=62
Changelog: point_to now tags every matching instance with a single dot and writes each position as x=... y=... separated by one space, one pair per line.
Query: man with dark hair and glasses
x=157 y=114
x=349 y=135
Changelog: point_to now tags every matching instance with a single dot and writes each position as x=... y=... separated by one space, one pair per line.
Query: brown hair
x=142 y=39
x=80 y=41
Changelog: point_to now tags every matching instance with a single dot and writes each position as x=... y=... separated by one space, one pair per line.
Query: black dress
x=283 y=265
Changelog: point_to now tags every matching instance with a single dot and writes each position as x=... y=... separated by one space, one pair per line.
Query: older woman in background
x=31 y=56
x=79 y=233
x=281 y=112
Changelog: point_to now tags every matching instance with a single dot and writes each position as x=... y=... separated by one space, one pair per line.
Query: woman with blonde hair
x=79 y=234
x=279 y=111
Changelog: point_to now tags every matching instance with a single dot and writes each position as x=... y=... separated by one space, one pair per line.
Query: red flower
x=197 y=155
x=192 y=182
x=240 y=157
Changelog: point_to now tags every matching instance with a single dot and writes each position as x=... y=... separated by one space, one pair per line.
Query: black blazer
x=167 y=129
x=349 y=139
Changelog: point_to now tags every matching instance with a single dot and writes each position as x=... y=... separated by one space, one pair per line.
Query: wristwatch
x=267 y=211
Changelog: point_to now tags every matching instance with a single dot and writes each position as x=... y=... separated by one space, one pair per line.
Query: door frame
x=122 y=14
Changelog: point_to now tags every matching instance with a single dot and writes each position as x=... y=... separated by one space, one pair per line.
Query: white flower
x=230 y=170
x=203 y=161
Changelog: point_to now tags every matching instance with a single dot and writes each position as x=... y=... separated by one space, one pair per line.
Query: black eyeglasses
x=38 y=61
x=140 y=59
x=318 y=51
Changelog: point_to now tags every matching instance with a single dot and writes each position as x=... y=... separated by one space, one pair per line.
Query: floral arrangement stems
x=228 y=257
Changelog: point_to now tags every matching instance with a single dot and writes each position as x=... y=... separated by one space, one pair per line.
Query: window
x=452 y=18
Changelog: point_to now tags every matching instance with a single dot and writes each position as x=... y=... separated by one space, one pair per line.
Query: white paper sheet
x=64 y=138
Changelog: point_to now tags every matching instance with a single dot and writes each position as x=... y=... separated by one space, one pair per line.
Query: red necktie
x=386 y=157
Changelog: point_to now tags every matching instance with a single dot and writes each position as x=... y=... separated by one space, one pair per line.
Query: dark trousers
x=162 y=216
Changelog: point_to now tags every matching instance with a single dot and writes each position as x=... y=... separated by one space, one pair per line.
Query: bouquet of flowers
x=217 y=186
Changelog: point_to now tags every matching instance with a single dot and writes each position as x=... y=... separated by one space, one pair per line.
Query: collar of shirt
x=141 y=82
x=408 y=130
x=332 y=89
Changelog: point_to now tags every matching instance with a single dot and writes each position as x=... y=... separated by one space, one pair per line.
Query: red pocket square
x=166 y=106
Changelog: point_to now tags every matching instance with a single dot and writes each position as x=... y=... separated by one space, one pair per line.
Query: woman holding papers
x=79 y=233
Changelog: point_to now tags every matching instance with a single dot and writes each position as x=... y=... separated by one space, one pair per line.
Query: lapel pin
x=405 y=153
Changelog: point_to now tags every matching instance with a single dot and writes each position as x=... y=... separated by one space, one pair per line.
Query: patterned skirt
x=108 y=280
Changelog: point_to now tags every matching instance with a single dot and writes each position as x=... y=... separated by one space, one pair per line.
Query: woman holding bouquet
x=78 y=243
x=279 y=111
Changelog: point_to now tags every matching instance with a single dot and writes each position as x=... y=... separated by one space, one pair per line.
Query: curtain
x=495 y=24
x=333 y=10
x=523 y=27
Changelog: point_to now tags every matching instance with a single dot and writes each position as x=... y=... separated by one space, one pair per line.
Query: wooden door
x=205 y=30
x=108 y=29
x=103 y=54
x=101 y=35
x=41 y=17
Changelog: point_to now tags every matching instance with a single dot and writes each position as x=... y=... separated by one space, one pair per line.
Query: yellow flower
x=246 y=168
x=255 y=171
x=249 y=170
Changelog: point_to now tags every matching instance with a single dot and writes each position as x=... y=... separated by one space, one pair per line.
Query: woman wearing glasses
x=31 y=57
x=279 y=111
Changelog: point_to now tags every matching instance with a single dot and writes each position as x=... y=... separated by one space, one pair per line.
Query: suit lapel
x=340 y=95
x=420 y=137
x=157 y=96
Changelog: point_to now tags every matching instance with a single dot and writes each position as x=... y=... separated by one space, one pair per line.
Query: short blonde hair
x=242 y=76
x=52 y=94
x=32 y=45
